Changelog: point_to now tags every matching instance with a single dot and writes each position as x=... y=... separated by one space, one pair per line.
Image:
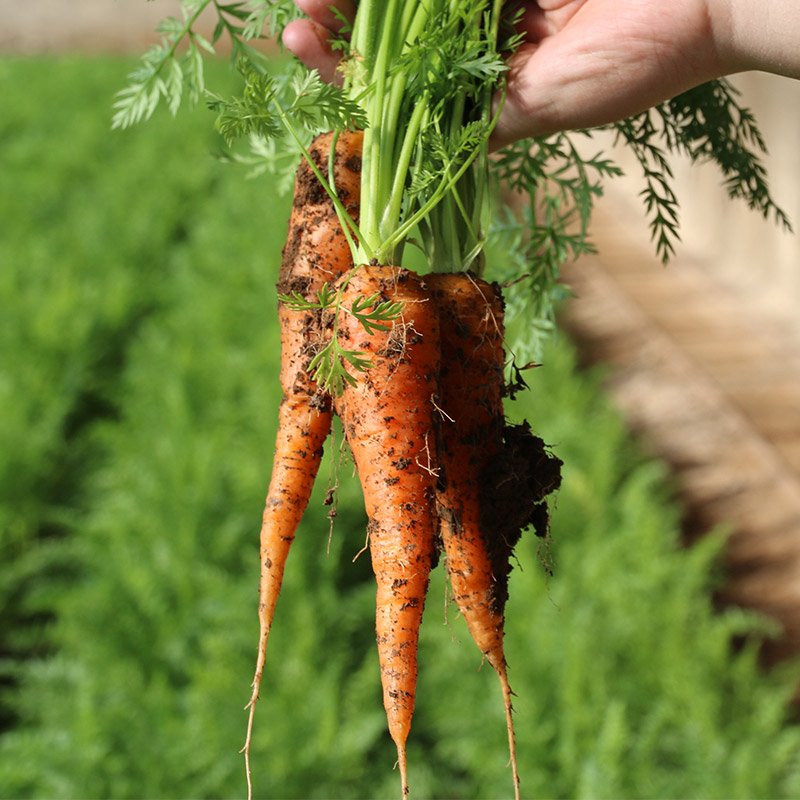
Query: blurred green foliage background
x=138 y=395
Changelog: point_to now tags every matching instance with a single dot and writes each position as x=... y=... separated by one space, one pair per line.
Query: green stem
x=187 y=29
x=378 y=138
x=447 y=183
x=365 y=31
x=346 y=228
x=383 y=32
x=410 y=142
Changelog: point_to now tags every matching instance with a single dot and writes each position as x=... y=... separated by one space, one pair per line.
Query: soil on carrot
x=401 y=337
x=316 y=249
x=513 y=491
x=309 y=193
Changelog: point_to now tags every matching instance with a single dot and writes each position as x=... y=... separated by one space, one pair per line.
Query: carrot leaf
x=323 y=106
x=329 y=367
x=267 y=108
x=250 y=113
x=271 y=16
x=372 y=315
x=163 y=73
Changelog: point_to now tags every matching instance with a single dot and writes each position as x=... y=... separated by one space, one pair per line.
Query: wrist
x=752 y=35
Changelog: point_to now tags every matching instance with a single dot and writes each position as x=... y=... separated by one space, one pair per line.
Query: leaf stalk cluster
x=419 y=77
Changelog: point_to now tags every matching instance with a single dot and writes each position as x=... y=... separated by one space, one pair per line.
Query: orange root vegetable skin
x=315 y=253
x=471 y=386
x=388 y=422
x=493 y=477
x=471 y=395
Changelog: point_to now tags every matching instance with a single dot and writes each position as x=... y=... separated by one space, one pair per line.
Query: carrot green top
x=421 y=78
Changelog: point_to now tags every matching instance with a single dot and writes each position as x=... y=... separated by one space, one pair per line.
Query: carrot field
x=138 y=394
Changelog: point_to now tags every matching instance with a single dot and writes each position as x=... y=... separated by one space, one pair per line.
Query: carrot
x=471 y=384
x=388 y=422
x=316 y=252
x=492 y=476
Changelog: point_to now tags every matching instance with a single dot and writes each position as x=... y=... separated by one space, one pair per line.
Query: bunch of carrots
x=412 y=364
x=440 y=469
x=398 y=157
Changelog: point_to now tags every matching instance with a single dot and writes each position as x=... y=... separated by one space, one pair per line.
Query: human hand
x=309 y=39
x=585 y=63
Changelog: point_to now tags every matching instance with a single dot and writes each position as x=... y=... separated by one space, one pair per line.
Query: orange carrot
x=483 y=482
x=471 y=384
x=388 y=422
x=316 y=252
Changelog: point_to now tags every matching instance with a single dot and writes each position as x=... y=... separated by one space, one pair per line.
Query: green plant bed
x=90 y=224
x=139 y=408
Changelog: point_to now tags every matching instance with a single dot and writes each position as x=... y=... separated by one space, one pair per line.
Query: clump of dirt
x=513 y=491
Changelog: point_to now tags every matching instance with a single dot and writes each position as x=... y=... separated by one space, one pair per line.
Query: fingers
x=322 y=12
x=538 y=20
x=310 y=39
x=550 y=89
x=532 y=23
x=310 y=42
x=603 y=65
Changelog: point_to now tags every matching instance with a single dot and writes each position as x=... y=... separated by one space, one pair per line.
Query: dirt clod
x=515 y=485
